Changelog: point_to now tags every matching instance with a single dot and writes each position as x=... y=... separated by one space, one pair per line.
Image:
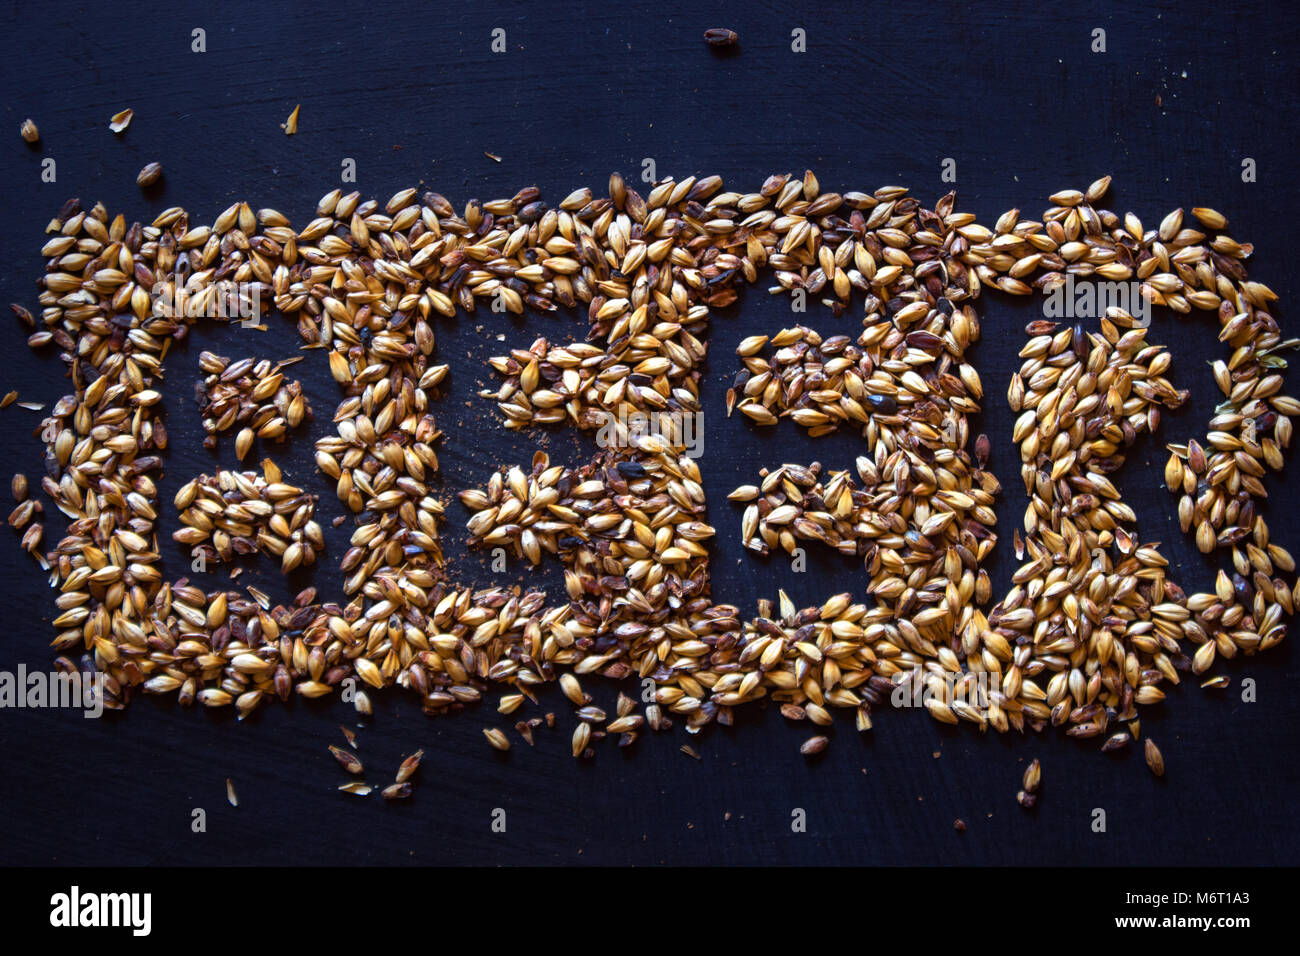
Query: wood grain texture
x=413 y=94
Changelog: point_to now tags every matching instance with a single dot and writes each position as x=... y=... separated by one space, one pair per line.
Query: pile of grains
x=819 y=384
x=1091 y=625
x=1089 y=630
x=246 y=513
x=252 y=394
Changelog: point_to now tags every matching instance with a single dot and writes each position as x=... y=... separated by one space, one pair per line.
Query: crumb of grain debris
x=8 y=399
x=492 y=156
x=29 y=131
x=720 y=37
x=290 y=125
x=350 y=735
x=230 y=793
x=121 y=121
x=959 y=825
x=357 y=788
x=689 y=751
x=397 y=791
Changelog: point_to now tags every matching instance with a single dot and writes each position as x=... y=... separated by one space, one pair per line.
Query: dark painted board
x=1010 y=91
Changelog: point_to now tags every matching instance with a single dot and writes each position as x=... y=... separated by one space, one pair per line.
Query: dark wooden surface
x=414 y=95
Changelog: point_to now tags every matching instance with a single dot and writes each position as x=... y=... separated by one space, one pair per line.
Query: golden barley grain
x=149 y=175
x=409 y=766
x=348 y=761
x=1154 y=758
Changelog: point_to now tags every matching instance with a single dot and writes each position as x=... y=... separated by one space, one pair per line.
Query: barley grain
x=149 y=175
